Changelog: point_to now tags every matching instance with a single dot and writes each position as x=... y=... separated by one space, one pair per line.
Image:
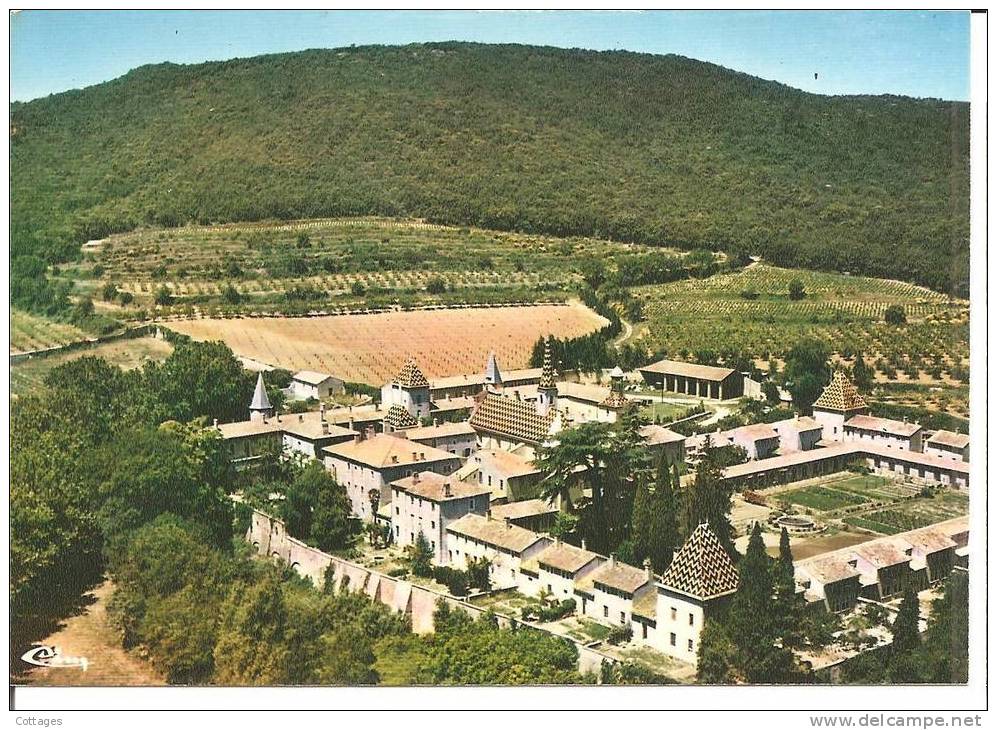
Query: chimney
x=356 y=438
x=583 y=545
x=488 y=514
x=647 y=568
x=321 y=411
x=415 y=477
x=352 y=422
x=422 y=455
x=447 y=491
x=216 y=423
x=394 y=458
x=508 y=523
x=436 y=422
x=415 y=456
x=278 y=416
x=557 y=542
x=612 y=560
x=325 y=427
x=301 y=418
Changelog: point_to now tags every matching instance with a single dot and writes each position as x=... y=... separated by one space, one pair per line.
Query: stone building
x=428 y=503
x=884 y=431
x=700 y=580
x=366 y=467
x=839 y=402
x=307 y=384
x=505 y=545
x=409 y=389
x=948 y=445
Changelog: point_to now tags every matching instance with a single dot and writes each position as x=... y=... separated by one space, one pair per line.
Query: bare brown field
x=370 y=348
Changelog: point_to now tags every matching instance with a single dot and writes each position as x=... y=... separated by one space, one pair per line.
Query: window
x=690 y=644
x=691 y=619
x=432 y=526
x=396 y=530
x=643 y=631
x=671 y=639
x=623 y=617
x=450 y=555
x=397 y=511
x=605 y=611
x=433 y=544
x=675 y=613
x=489 y=480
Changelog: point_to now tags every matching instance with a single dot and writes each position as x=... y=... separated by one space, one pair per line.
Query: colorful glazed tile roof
x=410 y=376
x=702 y=568
x=397 y=417
x=512 y=418
x=840 y=395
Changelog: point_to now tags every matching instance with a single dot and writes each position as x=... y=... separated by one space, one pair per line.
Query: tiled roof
x=615 y=400
x=398 y=417
x=508 y=464
x=688 y=370
x=440 y=430
x=410 y=376
x=883 y=425
x=310 y=426
x=949 y=438
x=444 y=405
x=497 y=533
x=589 y=393
x=437 y=488
x=929 y=540
x=385 y=450
x=478 y=379
x=702 y=568
x=311 y=377
x=647 y=605
x=840 y=395
x=242 y=429
x=830 y=569
x=525 y=508
x=755 y=432
x=566 y=557
x=620 y=576
x=655 y=435
x=884 y=553
x=511 y=418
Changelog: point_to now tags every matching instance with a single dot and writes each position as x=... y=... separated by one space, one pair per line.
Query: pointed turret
x=615 y=400
x=839 y=402
x=492 y=374
x=547 y=387
x=259 y=407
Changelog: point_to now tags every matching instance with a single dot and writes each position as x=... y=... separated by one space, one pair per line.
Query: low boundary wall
x=269 y=538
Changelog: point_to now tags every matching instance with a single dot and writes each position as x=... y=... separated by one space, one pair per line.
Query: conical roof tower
x=492 y=374
x=260 y=405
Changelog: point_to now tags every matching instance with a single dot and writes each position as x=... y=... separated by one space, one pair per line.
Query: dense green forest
x=663 y=150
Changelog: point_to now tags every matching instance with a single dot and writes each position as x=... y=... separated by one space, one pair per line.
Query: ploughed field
x=371 y=348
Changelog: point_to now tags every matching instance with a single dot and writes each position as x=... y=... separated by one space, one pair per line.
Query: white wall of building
x=679 y=623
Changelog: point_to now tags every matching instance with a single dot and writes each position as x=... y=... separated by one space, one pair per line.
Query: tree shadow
x=42 y=619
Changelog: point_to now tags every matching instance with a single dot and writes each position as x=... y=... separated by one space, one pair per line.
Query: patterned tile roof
x=511 y=418
x=840 y=395
x=615 y=400
x=702 y=568
x=410 y=376
x=398 y=417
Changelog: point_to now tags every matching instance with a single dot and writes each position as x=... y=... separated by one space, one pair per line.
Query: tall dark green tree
x=333 y=528
x=807 y=371
x=752 y=625
x=946 y=644
x=905 y=661
x=710 y=500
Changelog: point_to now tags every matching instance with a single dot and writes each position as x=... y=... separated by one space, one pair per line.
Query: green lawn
x=821 y=498
x=913 y=514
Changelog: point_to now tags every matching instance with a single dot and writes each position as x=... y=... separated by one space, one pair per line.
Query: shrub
x=796 y=290
x=619 y=635
x=749 y=294
x=125 y=298
x=109 y=292
x=895 y=315
x=163 y=297
x=357 y=289
x=436 y=285
x=456 y=581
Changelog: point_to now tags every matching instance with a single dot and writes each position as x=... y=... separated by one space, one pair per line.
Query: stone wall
x=269 y=538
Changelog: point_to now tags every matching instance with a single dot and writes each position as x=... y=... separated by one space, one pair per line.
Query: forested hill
x=628 y=146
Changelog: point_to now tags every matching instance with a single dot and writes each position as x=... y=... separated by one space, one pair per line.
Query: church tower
x=547 y=388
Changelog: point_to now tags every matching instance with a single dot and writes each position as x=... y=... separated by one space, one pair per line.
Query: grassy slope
x=634 y=147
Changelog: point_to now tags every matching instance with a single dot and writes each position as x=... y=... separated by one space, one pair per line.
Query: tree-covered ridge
x=635 y=147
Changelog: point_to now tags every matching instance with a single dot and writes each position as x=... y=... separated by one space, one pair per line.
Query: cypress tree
x=752 y=623
x=906 y=662
x=787 y=607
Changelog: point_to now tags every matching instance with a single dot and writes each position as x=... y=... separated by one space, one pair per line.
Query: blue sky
x=916 y=53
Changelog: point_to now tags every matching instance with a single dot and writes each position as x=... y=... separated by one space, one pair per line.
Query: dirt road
x=90 y=635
